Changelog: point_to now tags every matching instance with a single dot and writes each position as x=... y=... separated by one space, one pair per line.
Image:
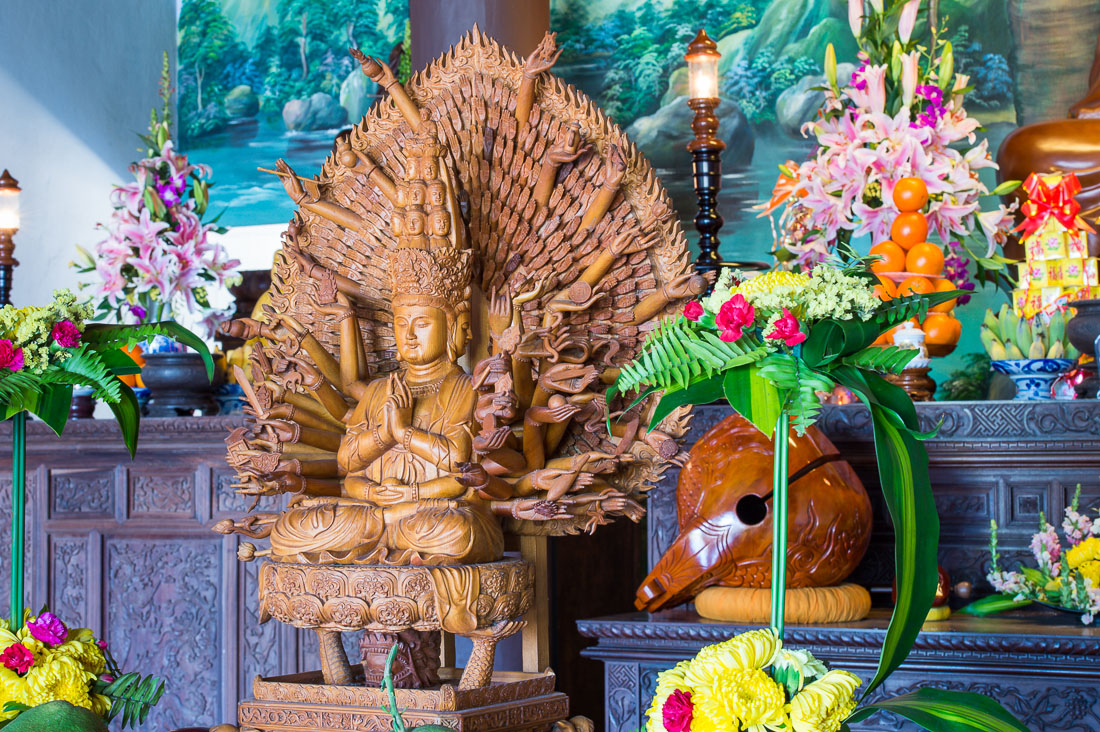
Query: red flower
x=787 y=330
x=65 y=334
x=693 y=311
x=18 y=658
x=677 y=712
x=10 y=356
x=733 y=316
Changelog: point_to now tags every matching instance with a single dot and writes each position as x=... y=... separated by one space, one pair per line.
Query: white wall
x=78 y=79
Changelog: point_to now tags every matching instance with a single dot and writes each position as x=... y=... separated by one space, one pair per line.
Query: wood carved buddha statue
x=455 y=293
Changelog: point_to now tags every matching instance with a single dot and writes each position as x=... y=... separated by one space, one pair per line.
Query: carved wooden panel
x=82 y=493
x=163 y=602
x=159 y=494
x=69 y=576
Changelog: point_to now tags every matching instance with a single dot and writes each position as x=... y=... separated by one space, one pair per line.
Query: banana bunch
x=1007 y=336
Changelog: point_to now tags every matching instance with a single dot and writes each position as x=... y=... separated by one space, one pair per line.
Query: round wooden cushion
x=839 y=604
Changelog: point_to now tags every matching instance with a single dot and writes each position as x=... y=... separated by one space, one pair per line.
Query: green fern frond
x=86 y=368
x=132 y=696
x=882 y=359
x=676 y=355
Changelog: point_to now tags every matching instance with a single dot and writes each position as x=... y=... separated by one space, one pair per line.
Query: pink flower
x=66 y=335
x=855 y=16
x=677 y=712
x=1047 y=549
x=908 y=20
x=106 y=678
x=733 y=316
x=48 y=628
x=787 y=330
x=10 y=357
x=693 y=311
x=102 y=644
x=18 y=658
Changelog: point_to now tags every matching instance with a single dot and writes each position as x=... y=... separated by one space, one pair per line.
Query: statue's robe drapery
x=374 y=530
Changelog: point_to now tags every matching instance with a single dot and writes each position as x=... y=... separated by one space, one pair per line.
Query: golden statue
x=503 y=226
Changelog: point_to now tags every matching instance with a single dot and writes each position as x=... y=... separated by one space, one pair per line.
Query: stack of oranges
x=912 y=265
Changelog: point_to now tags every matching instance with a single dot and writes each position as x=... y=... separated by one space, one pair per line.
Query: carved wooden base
x=513 y=702
x=841 y=604
x=916 y=382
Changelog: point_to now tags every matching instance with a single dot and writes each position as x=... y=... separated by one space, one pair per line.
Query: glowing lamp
x=9 y=224
x=9 y=202
x=702 y=60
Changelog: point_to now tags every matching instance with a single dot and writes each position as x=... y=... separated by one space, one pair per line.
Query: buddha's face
x=421 y=332
x=436 y=192
x=397 y=224
x=416 y=194
x=428 y=168
x=412 y=168
x=414 y=223
x=441 y=223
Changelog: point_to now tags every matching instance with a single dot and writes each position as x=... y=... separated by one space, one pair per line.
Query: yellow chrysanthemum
x=824 y=705
x=755 y=649
x=1091 y=571
x=53 y=676
x=669 y=681
x=770 y=281
x=746 y=699
x=1087 y=551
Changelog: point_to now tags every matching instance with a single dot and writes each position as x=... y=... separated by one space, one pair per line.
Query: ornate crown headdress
x=419 y=273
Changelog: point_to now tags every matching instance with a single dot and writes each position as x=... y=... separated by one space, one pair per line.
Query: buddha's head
x=441 y=222
x=426 y=334
x=437 y=193
x=431 y=303
x=414 y=222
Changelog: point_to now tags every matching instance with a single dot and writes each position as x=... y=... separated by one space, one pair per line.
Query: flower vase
x=83 y=404
x=1034 y=377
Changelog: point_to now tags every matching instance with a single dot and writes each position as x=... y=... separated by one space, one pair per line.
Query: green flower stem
x=18 y=511
x=779 y=522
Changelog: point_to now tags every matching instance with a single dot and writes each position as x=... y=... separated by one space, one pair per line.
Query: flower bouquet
x=901 y=116
x=44 y=661
x=44 y=353
x=771 y=346
x=751 y=682
x=1068 y=579
x=158 y=261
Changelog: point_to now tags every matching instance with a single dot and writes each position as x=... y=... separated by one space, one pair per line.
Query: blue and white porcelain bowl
x=1034 y=377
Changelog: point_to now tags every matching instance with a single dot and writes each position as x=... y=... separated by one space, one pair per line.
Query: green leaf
x=132 y=696
x=753 y=397
x=993 y=604
x=54 y=405
x=884 y=359
x=903 y=474
x=112 y=337
x=118 y=361
x=128 y=414
x=702 y=392
x=939 y=710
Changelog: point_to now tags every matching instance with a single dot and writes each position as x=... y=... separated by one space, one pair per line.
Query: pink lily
x=908 y=20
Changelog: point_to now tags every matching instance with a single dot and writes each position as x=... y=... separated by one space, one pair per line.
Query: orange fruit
x=941 y=329
x=885 y=289
x=943 y=285
x=910 y=194
x=924 y=258
x=909 y=228
x=915 y=286
x=893 y=257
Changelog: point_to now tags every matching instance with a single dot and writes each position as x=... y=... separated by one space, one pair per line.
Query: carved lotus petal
x=348 y=612
x=395 y=612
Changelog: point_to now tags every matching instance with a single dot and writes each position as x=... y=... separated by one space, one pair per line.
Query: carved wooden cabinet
x=1008 y=461
x=125 y=548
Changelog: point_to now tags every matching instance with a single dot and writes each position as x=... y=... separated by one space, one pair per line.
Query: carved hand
x=567 y=378
x=500 y=314
x=536 y=509
x=377 y=71
x=493 y=440
x=629 y=242
x=290 y=182
x=473 y=475
x=543 y=57
x=686 y=285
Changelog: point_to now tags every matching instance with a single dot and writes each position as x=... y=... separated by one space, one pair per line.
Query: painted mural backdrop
x=259 y=80
x=628 y=55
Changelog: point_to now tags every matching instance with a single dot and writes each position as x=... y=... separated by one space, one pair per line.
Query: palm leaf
x=86 y=367
x=112 y=337
x=939 y=710
x=883 y=359
x=132 y=696
x=19 y=392
x=903 y=474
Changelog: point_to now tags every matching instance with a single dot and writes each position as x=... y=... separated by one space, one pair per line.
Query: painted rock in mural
x=318 y=112
x=724 y=506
